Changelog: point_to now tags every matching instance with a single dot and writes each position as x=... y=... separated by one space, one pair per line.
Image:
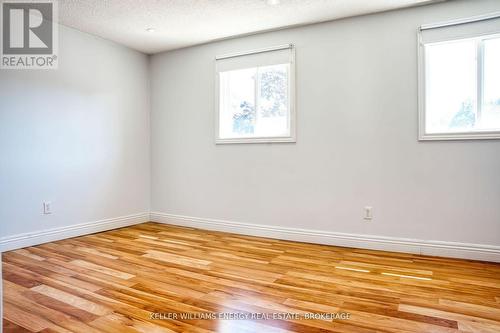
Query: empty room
x=250 y=166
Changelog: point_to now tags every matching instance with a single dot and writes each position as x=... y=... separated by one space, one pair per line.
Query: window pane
x=254 y=102
x=490 y=115
x=237 y=103
x=451 y=86
x=273 y=117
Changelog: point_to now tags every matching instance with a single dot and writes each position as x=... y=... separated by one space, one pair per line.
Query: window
x=255 y=96
x=459 y=90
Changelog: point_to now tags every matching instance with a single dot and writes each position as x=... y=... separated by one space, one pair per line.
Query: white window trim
x=469 y=135
x=291 y=93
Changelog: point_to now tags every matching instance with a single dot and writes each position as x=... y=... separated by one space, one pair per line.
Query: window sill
x=459 y=136
x=256 y=140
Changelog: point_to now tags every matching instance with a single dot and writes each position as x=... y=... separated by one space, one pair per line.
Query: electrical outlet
x=47 y=207
x=368 y=213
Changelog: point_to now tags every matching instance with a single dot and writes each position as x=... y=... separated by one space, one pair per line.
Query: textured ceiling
x=181 y=23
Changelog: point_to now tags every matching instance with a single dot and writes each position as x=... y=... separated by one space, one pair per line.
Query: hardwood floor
x=114 y=281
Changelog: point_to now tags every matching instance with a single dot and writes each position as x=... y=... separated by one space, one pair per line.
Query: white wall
x=77 y=136
x=357 y=139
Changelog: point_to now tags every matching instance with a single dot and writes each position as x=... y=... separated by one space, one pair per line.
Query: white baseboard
x=407 y=245
x=424 y=247
x=49 y=235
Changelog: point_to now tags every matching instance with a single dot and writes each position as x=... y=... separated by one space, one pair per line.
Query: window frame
x=291 y=138
x=476 y=134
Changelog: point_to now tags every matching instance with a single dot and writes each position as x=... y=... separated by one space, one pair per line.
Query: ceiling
x=181 y=23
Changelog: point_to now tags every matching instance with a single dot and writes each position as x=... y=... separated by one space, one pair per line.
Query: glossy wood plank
x=114 y=281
